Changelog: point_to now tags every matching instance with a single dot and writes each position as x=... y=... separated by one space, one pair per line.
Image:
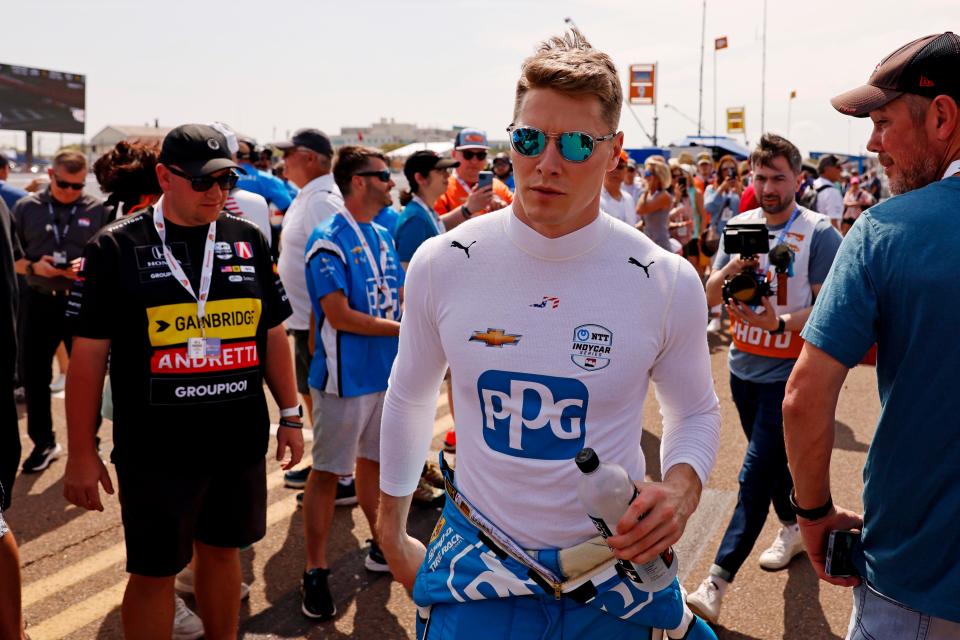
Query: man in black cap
x=895 y=285
x=184 y=299
x=52 y=226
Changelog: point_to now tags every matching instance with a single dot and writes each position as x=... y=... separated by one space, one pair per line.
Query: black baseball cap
x=425 y=161
x=197 y=149
x=312 y=139
x=4 y=160
x=925 y=67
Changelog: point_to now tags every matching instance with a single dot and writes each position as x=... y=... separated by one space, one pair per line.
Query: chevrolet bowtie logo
x=495 y=337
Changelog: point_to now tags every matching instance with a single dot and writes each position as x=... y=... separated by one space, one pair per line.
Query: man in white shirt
x=308 y=160
x=614 y=199
x=554 y=319
x=829 y=198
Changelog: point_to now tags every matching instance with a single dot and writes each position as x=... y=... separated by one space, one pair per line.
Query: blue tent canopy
x=721 y=144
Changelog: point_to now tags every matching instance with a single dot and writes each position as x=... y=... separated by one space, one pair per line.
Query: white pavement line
x=714 y=511
x=100 y=604
x=79 y=571
x=79 y=615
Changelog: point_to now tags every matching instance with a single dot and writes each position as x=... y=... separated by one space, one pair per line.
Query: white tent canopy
x=440 y=148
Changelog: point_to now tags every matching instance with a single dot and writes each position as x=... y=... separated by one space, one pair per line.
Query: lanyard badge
x=379 y=275
x=196 y=347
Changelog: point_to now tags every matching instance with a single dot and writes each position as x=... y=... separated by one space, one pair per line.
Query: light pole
x=763 y=73
x=703 y=41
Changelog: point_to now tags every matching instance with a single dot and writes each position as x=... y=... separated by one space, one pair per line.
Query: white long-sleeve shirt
x=552 y=344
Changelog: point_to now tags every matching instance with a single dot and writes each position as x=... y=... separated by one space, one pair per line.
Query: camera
x=749 y=286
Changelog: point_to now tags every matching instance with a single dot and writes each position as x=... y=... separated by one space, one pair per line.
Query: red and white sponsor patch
x=243 y=249
x=235 y=355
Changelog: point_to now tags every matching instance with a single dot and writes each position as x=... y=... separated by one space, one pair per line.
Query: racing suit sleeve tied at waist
x=469 y=558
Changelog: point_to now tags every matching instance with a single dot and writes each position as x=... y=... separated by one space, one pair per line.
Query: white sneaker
x=706 y=600
x=186 y=624
x=714 y=326
x=787 y=544
x=184 y=584
x=59 y=384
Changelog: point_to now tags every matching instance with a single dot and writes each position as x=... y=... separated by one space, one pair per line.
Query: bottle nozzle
x=587 y=460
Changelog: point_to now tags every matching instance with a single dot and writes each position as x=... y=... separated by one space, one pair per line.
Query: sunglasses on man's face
x=384 y=176
x=470 y=155
x=574 y=146
x=64 y=184
x=226 y=182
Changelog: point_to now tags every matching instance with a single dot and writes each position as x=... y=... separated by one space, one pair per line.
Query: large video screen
x=41 y=100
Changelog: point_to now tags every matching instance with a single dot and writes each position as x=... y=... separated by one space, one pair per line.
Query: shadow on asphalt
x=846 y=440
x=650 y=445
x=349 y=581
x=718 y=341
x=803 y=616
x=49 y=510
x=112 y=626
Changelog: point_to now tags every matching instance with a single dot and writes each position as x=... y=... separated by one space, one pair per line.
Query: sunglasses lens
x=528 y=141
x=576 y=146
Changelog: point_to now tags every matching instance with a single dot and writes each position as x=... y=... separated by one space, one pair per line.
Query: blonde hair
x=569 y=64
x=662 y=171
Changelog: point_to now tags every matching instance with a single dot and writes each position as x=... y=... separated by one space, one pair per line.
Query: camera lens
x=742 y=287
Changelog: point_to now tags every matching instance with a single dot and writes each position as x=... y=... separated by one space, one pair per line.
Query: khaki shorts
x=345 y=429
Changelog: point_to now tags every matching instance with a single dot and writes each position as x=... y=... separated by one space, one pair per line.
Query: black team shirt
x=169 y=408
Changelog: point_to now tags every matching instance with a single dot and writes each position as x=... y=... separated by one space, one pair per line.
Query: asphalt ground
x=73 y=560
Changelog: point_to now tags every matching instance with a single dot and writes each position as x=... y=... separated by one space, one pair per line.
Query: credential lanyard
x=206 y=270
x=786 y=228
x=433 y=214
x=379 y=276
x=463 y=184
x=58 y=235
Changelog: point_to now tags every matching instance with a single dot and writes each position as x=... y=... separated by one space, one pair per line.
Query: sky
x=268 y=68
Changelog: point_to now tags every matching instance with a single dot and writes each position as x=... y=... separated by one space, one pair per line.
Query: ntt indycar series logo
x=533 y=416
x=591 y=347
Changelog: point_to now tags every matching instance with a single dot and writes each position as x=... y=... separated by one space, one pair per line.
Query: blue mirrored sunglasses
x=574 y=146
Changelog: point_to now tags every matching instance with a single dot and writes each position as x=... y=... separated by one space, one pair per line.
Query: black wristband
x=781 y=325
x=286 y=422
x=465 y=212
x=810 y=514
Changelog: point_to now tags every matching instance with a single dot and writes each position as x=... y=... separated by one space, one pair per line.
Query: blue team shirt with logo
x=894 y=283
x=336 y=261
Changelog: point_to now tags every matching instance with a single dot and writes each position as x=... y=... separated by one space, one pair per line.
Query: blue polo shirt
x=387 y=218
x=414 y=227
x=265 y=184
x=894 y=283
x=347 y=364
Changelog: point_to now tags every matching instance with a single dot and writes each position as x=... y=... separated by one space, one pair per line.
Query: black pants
x=44 y=327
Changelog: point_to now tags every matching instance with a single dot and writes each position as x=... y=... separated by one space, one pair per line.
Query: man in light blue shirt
x=893 y=284
x=9 y=194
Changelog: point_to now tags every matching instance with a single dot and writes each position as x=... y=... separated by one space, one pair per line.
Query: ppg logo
x=531 y=416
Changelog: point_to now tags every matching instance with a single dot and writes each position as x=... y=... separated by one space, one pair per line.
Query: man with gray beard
x=893 y=284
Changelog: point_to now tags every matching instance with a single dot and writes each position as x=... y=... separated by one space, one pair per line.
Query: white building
x=390 y=132
x=111 y=134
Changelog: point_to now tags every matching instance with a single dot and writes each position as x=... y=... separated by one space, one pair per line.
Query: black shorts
x=165 y=510
x=301 y=359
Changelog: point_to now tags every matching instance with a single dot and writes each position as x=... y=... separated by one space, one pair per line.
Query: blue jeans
x=764 y=476
x=877 y=617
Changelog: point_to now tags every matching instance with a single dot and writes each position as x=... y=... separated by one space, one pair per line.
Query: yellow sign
x=736 y=119
x=173 y=323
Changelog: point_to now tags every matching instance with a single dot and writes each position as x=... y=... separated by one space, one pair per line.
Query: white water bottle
x=605 y=491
